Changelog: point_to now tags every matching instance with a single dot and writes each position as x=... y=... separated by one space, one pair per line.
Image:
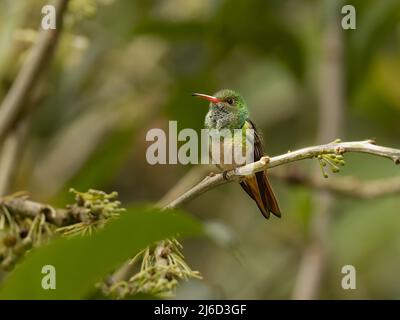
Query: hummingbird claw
x=225 y=174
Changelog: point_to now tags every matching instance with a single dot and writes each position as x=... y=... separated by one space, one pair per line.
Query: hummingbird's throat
x=220 y=117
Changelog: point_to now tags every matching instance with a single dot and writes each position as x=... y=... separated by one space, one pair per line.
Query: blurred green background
x=123 y=67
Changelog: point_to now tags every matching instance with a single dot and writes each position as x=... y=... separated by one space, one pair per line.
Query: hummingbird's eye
x=230 y=101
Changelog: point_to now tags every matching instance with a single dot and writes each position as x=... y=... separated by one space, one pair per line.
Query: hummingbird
x=228 y=110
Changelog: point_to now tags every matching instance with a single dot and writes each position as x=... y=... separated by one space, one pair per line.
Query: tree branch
x=367 y=146
x=20 y=204
x=40 y=56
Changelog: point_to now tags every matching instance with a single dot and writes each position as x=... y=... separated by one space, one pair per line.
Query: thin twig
x=367 y=146
x=192 y=177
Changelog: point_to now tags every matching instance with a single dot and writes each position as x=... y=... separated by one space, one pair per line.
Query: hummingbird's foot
x=225 y=174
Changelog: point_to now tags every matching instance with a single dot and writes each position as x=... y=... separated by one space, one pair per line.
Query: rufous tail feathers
x=259 y=189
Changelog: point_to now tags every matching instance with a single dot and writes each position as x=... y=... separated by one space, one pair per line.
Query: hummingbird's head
x=228 y=110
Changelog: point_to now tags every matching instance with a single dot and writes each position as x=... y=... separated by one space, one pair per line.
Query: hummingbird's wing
x=257 y=186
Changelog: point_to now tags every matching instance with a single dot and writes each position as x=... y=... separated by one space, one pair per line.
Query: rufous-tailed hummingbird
x=228 y=110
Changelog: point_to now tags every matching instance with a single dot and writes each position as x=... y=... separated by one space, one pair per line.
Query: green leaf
x=80 y=262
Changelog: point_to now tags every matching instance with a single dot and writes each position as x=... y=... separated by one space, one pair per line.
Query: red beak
x=206 y=97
